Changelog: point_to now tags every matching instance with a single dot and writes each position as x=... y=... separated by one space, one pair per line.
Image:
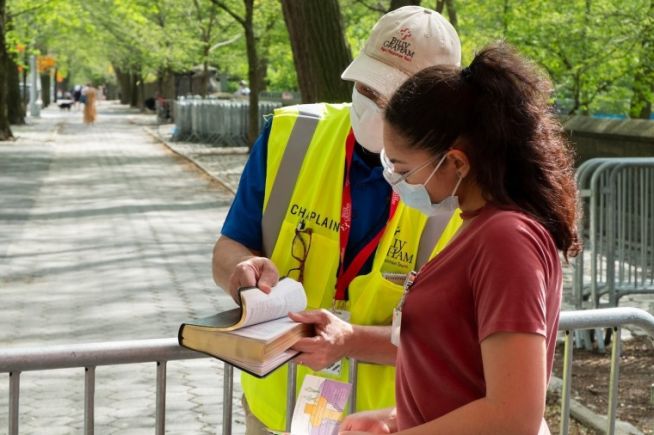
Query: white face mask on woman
x=367 y=122
x=416 y=195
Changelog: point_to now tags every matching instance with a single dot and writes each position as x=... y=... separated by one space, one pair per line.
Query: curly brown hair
x=498 y=108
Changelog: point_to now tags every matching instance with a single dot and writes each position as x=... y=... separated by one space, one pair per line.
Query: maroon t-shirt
x=501 y=274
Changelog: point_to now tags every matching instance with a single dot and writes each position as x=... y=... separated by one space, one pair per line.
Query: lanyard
x=346 y=275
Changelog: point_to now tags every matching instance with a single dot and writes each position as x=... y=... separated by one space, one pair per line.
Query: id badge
x=395 y=328
x=337 y=367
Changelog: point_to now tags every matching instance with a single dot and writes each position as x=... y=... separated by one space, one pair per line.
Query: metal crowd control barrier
x=215 y=121
x=160 y=351
x=617 y=230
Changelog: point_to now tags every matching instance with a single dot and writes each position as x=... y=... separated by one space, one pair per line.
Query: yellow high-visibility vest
x=316 y=198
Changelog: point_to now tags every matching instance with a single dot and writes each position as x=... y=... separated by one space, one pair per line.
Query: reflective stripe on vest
x=289 y=169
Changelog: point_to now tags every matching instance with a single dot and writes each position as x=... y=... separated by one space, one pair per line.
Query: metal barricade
x=214 y=121
x=617 y=229
x=89 y=356
x=160 y=351
x=615 y=318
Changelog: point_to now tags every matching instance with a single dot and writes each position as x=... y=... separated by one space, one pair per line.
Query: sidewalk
x=104 y=236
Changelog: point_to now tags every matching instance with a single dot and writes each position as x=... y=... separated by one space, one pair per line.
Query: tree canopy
x=599 y=53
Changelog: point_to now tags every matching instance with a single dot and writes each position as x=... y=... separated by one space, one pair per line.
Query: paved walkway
x=106 y=235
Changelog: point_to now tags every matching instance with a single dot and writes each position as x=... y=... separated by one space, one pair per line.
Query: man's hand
x=378 y=421
x=330 y=343
x=253 y=272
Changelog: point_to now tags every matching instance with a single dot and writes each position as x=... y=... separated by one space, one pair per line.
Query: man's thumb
x=269 y=276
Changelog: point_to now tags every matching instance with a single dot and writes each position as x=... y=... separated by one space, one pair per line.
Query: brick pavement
x=105 y=235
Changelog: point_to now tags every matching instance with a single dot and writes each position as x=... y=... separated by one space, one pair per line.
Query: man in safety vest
x=312 y=204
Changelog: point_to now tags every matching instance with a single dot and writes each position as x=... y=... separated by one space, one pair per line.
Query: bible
x=255 y=337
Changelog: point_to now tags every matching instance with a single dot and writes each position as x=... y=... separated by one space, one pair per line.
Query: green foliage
x=590 y=48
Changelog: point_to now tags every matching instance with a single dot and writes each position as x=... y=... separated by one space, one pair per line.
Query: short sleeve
x=510 y=276
x=243 y=221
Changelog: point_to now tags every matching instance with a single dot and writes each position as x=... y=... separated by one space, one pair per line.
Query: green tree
x=254 y=26
x=643 y=78
x=5 y=129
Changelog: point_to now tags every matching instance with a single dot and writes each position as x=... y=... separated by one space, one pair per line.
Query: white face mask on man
x=367 y=122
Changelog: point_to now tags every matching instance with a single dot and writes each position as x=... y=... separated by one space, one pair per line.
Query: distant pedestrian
x=243 y=89
x=77 y=95
x=90 y=94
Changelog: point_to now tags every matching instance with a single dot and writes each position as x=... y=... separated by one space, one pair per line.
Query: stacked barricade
x=215 y=121
x=617 y=231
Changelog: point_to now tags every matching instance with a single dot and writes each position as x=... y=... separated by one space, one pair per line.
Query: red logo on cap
x=405 y=32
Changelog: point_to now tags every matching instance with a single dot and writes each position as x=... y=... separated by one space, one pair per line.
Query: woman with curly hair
x=479 y=323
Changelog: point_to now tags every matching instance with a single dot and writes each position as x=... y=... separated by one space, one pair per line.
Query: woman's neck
x=471 y=199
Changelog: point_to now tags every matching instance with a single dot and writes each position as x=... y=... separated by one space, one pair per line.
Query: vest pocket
x=372 y=299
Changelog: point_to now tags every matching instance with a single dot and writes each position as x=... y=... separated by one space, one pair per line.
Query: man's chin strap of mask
x=367 y=122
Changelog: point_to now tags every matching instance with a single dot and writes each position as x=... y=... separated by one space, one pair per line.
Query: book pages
x=287 y=295
x=267 y=331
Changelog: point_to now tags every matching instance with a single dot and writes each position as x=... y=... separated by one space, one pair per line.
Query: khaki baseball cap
x=403 y=42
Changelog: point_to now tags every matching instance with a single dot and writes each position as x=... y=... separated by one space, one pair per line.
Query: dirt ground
x=590 y=374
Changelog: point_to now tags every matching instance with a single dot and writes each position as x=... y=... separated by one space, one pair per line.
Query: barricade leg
x=89 y=400
x=614 y=377
x=228 y=386
x=14 y=391
x=290 y=394
x=160 y=413
x=567 y=381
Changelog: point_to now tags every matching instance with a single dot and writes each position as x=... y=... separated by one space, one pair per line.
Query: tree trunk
x=26 y=98
x=5 y=129
x=15 y=104
x=56 y=87
x=168 y=89
x=451 y=14
x=124 y=84
x=320 y=51
x=141 y=100
x=395 y=4
x=134 y=89
x=253 y=73
x=204 y=82
x=643 y=87
x=45 y=89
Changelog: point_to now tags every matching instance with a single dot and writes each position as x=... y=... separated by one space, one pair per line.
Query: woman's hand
x=330 y=343
x=380 y=421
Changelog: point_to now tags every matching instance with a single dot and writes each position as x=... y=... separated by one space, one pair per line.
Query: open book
x=255 y=337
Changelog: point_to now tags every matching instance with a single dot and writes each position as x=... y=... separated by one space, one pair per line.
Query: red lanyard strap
x=346 y=275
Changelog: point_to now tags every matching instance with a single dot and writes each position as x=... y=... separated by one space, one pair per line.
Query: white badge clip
x=397 y=312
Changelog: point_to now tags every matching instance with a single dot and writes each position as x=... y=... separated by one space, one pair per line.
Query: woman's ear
x=460 y=161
